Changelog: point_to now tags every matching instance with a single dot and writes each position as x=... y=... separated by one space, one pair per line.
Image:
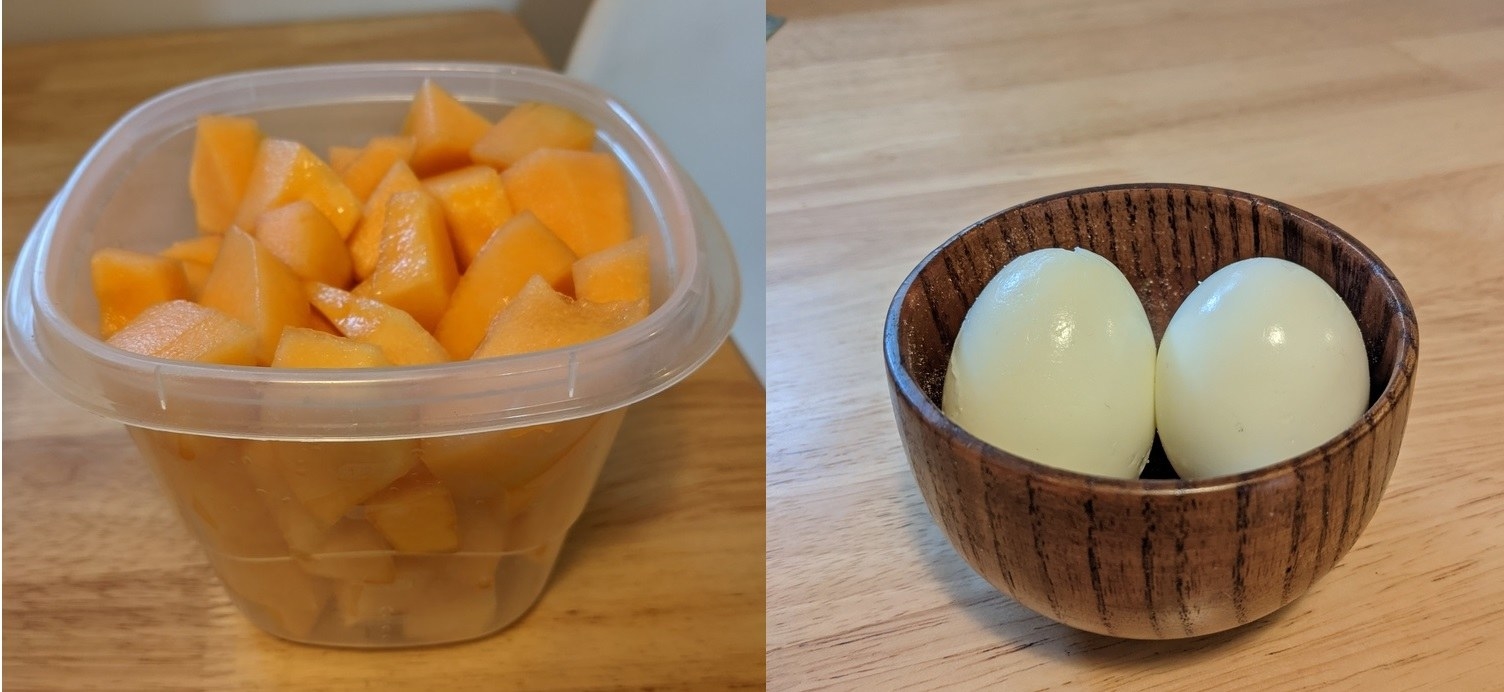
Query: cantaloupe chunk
x=475 y=205
x=444 y=128
x=483 y=466
x=396 y=333
x=340 y=158
x=416 y=514
x=250 y=284
x=448 y=611
x=540 y=510
x=126 y=283
x=317 y=320
x=197 y=275
x=365 y=242
x=581 y=196
x=202 y=249
x=300 y=236
x=373 y=161
x=617 y=273
x=521 y=249
x=181 y=330
x=207 y=479
x=353 y=550
x=415 y=270
x=224 y=152
x=540 y=318
x=364 y=603
x=482 y=542
x=287 y=171
x=329 y=478
x=529 y=127
x=300 y=347
x=294 y=600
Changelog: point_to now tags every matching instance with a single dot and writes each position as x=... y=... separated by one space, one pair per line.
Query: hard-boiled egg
x=1055 y=363
x=1263 y=361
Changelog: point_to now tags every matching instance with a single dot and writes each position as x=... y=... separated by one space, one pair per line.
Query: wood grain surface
x=1162 y=558
x=660 y=585
x=893 y=125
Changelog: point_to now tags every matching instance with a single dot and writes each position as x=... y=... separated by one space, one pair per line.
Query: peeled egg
x=1262 y=362
x=1055 y=363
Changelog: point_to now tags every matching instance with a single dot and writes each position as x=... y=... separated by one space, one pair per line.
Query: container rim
x=527 y=389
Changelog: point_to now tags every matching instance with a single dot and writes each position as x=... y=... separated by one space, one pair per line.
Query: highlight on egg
x=1262 y=362
x=1055 y=362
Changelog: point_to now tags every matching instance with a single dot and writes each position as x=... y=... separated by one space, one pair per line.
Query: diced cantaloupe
x=444 y=128
x=368 y=604
x=300 y=347
x=287 y=171
x=341 y=157
x=623 y=272
x=521 y=249
x=202 y=249
x=482 y=541
x=353 y=550
x=300 y=236
x=182 y=330
x=373 y=161
x=482 y=466
x=540 y=318
x=126 y=283
x=317 y=320
x=294 y=600
x=415 y=514
x=580 y=195
x=197 y=275
x=207 y=479
x=529 y=127
x=450 y=611
x=250 y=284
x=415 y=270
x=329 y=478
x=540 y=510
x=475 y=205
x=396 y=333
x=365 y=242
x=224 y=152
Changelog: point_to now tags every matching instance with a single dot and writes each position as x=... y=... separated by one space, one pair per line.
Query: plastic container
x=282 y=474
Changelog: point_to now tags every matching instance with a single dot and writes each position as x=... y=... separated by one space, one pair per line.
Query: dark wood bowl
x=1149 y=559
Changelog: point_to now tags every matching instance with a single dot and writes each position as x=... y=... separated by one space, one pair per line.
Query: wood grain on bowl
x=1153 y=559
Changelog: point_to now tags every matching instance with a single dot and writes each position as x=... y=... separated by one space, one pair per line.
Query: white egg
x=1262 y=362
x=1055 y=363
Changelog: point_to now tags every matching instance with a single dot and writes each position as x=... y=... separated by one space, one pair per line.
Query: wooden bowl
x=1149 y=559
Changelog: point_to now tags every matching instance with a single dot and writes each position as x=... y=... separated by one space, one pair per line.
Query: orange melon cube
x=224 y=153
x=181 y=330
x=286 y=171
x=330 y=302
x=209 y=483
x=352 y=550
x=197 y=275
x=540 y=318
x=126 y=283
x=581 y=196
x=250 y=284
x=618 y=273
x=396 y=333
x=293 y=600
x=482 y=541
x=518 y=251
x=372 y=162
x=416 y=514
x=201 y=250
x=449 y=611
x=444 y=129
x=363 y=603
x=306 y=242
x=317 y=320
x=475 y=205
x=528 y=128
x=300 y=347
x=340 y=158
x=416 y=270
x=330 y=478
x=365 y=242
x=483 y=466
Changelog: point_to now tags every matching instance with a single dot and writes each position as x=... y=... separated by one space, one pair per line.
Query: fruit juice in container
x=374 y=507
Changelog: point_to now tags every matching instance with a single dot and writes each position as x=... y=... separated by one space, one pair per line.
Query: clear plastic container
x=283 y=474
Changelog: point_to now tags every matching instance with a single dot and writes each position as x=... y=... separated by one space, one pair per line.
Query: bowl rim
x=1400 y=380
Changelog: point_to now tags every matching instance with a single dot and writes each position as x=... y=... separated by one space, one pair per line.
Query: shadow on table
x=1018 y=628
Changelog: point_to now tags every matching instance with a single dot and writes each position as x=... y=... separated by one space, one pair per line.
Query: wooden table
x=660 y=585
x=892 y=125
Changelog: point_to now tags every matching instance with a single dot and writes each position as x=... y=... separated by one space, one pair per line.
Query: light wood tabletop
x=893 y=125
x=660 y=584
